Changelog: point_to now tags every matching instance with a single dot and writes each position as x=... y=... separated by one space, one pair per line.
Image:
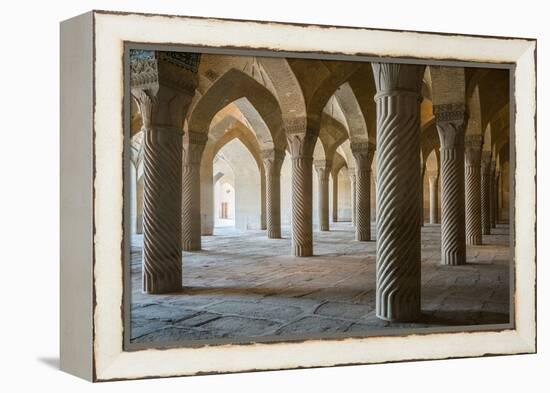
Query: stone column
x=273 y=161
x=353 y=186
x=193 y=146
x=493 y=193
x=433 y=178
x=163 y=85
x=398 y=184
x=421 y=193
x=451 y=122
x=472 y=155
x=496 y=197
x=363 y=153
x=301 y=149
x=322 y=167
x=486 y=193
x=334 y=196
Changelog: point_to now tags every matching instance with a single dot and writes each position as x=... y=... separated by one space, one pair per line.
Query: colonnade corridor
x=241 y=285
x=284 y=197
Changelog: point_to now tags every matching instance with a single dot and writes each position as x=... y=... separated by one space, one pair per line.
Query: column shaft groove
x=472 y=156
x=363 y=153
x=302 y=237
x=191 y=202
x=162 y=271
x=453 y=242
x=193 y=148
x=434 y=203
x=273 y=160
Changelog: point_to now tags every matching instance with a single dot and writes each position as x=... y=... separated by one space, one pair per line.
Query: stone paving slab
x=243 y=285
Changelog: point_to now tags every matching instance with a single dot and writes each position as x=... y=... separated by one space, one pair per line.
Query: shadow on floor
x=52 y=362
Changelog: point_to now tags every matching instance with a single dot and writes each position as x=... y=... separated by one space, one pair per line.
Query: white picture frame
x=92 y=153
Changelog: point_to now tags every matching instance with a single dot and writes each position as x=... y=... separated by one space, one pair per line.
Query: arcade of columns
x=400 y=124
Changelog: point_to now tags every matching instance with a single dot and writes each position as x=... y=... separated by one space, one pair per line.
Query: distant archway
x=237 y=193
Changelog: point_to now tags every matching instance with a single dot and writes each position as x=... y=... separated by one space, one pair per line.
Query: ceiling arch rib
x=357 y=126
x=232 y=87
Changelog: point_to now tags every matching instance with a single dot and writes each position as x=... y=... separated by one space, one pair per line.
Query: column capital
x=472 y=149
x=363 y=147
x=150 y=69
x=450 y=112
x=323 y=168
x=274 y=155
x=301 y=145
x=164 y=80
x=486 y=162
x=451 y=120
x=363 y=152
x=273 y=160
x=398 y=79
x=193 y=147
x=473 y=141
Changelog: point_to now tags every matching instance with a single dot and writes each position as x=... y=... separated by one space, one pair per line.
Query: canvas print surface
x=274 y=198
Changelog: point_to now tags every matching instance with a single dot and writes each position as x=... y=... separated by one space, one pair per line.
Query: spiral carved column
x=273 y=161
x=496 y=197
x=301 y=149
x=302 y=237
x=363 y=154
x=421 y=193
x=433 y=178
x=323 y=171
x=353 y=181
x=398 y=184
x=163 y=85
x=486 y=193
x=162 y=191
x=451 y=122
x=193 y=147
x=493 y=192
x=472 y=155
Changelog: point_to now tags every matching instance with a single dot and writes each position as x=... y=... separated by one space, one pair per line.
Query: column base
x=362 y=235
x=474 y=240
x=453 y=259
x=273 y=235
x=158 y=286
x=301 y=251
x=190 y=246
x=400 y=313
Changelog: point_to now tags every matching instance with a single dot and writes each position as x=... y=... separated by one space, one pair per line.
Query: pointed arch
x=232 y=87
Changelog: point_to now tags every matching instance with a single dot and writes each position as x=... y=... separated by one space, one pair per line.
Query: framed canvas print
x=244 y=195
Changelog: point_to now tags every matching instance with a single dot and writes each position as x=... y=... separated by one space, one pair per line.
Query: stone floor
x=244 y=286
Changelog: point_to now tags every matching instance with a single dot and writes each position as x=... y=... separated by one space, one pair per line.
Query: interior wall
x=225 y=193
x=247 y=184
x=344 y=197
